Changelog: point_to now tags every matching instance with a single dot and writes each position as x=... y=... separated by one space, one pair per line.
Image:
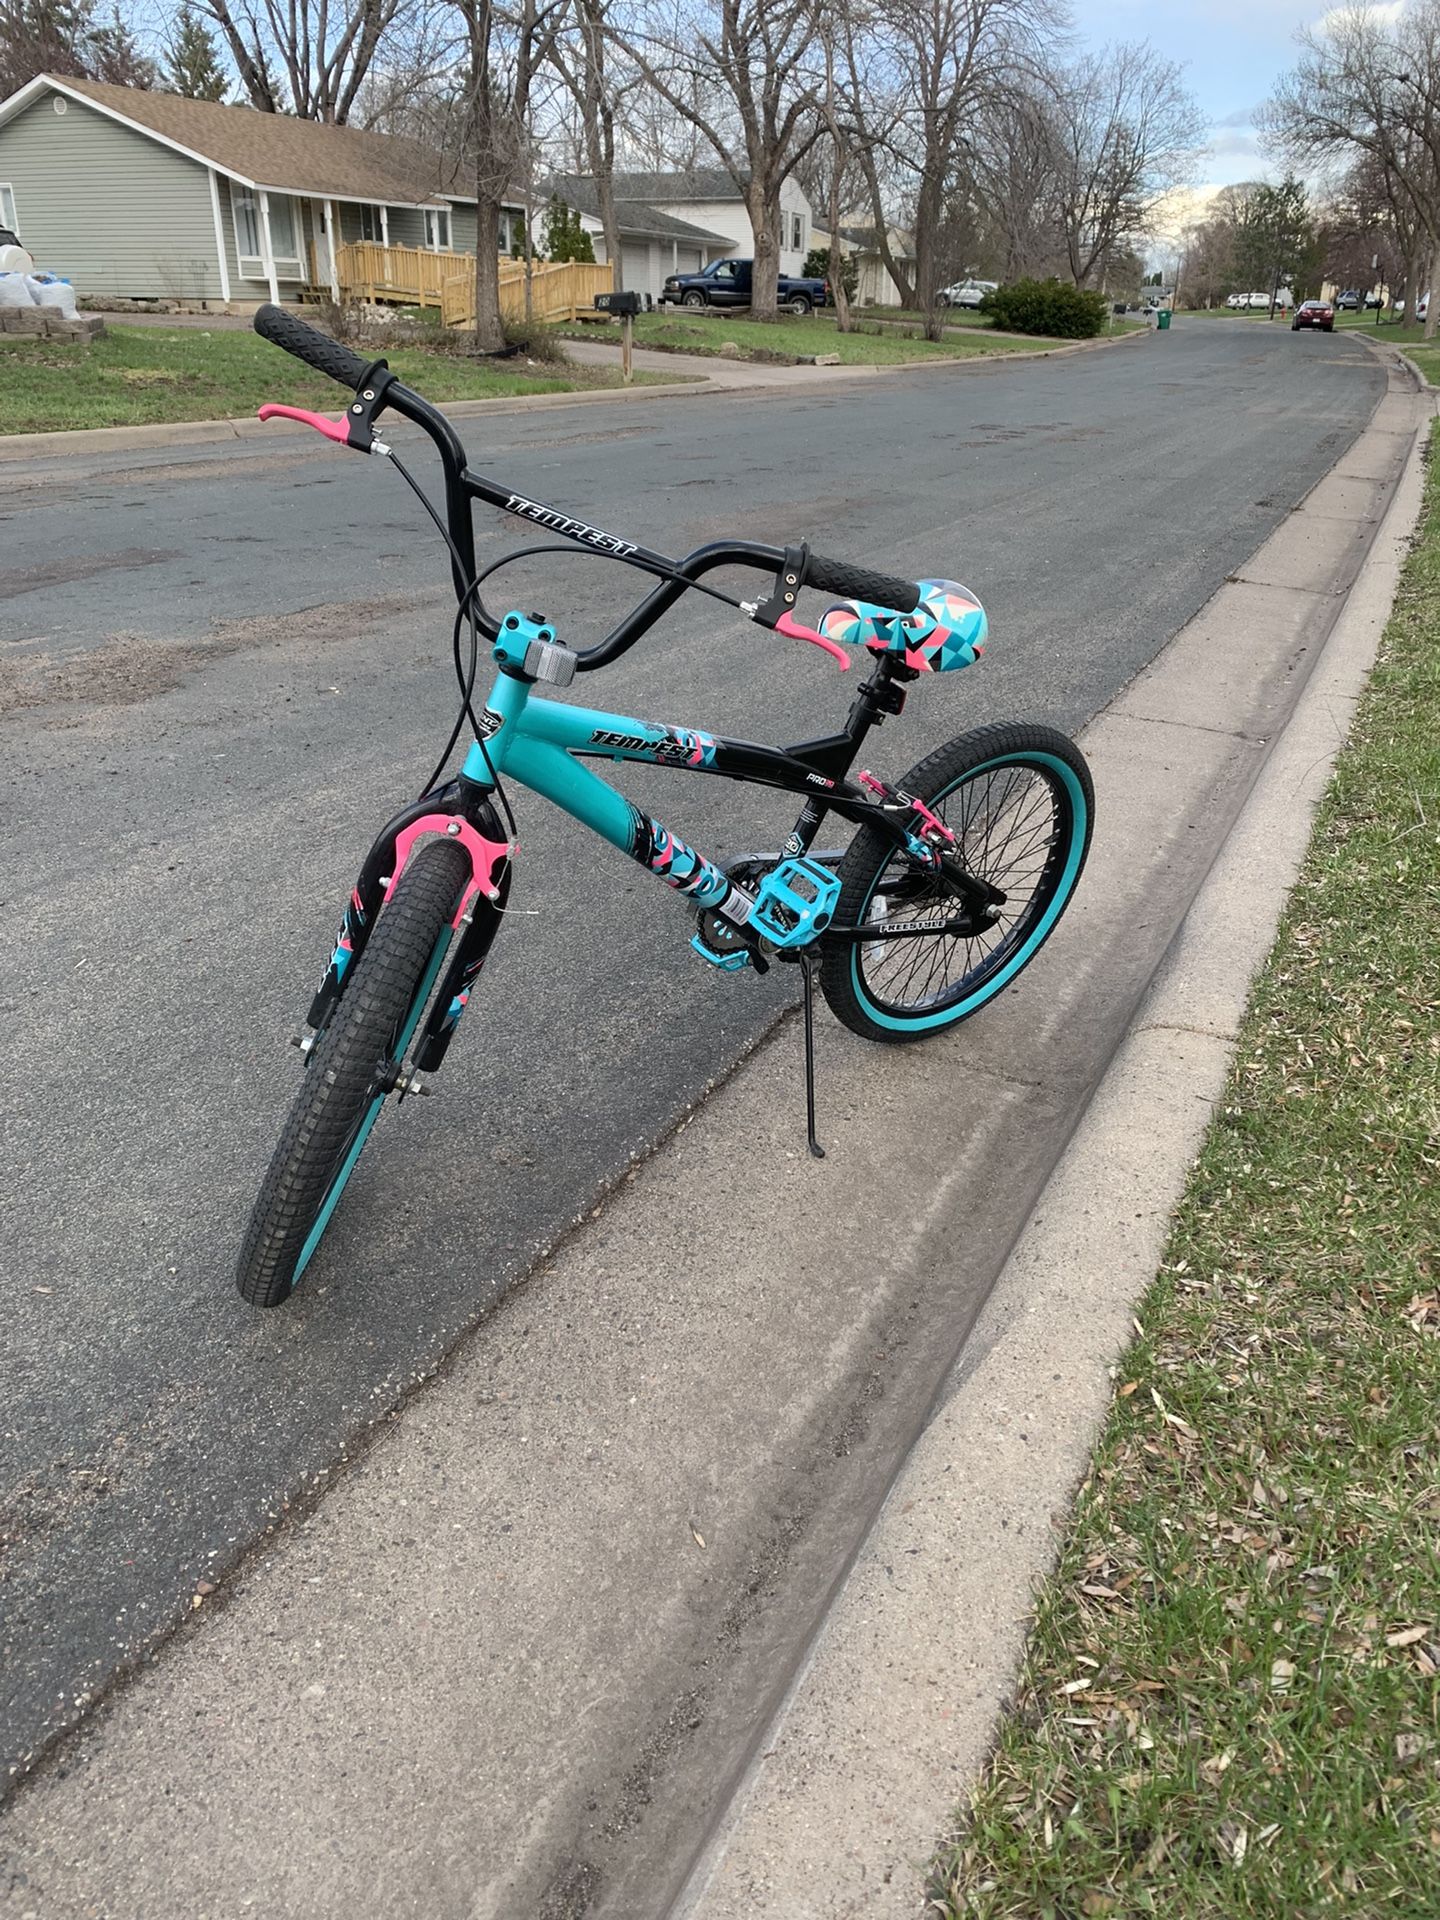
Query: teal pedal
x=795 y=903
x=730 y=962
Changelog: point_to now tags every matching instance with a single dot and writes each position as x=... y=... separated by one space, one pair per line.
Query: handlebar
x=859 y=583
x=332 y=358
x=307 y=343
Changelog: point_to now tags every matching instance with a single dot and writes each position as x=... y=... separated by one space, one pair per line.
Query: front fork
x=478 y=924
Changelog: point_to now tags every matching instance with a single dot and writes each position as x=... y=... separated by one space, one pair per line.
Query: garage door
x=641 y=268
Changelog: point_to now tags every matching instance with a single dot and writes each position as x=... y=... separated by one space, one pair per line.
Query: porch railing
x=369 y=271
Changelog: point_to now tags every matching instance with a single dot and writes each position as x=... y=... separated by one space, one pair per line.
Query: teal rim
x=1000 y=966
x=372 y=1112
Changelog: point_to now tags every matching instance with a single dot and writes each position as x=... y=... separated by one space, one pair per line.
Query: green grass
x=1230 y=1702
x=788 y=337
x=135 y=376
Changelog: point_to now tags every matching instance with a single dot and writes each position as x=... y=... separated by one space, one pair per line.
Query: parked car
x=1374 y=302
x=966 y=293
x=726 y=283
x=1348 y=301
x=1314 y=313
x=1422 y=306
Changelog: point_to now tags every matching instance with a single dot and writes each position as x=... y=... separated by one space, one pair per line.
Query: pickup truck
x=726 y=283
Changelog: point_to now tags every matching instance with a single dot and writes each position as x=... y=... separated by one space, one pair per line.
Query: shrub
x=1050 y=307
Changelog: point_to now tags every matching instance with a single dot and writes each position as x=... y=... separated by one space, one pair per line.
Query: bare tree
x=1367 y=86
x=298 y=56
x=936 y=61
x=736 y=70
x=581 y=56
x=1124 y=130
x=502 y=54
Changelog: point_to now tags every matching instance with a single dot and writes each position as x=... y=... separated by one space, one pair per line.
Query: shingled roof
x=274 y=150
x=577 y=190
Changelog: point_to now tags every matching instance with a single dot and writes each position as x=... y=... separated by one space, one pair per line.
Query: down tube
x=550 y=770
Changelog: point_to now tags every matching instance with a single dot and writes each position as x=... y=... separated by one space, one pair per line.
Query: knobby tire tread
x=869 y=853
x=339 y=1077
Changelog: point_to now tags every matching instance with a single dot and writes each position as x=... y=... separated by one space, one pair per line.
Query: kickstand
x=808 y=964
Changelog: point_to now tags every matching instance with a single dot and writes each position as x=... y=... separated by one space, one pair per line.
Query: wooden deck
x=446 y=281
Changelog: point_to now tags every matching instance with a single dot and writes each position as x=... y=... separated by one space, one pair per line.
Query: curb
x=179 y=433
x=891 y=1715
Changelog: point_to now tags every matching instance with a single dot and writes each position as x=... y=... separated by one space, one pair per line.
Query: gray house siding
x=107 y=208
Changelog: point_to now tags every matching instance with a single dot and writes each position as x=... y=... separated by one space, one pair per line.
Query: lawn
x=138 y=375
x=1231 y=1702
x=788 y=337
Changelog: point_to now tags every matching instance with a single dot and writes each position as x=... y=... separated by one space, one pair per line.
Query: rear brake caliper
x=928 y=834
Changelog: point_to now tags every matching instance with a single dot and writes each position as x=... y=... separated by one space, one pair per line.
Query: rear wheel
x=349 y=1072
x=798 y=304
x=1020 y=803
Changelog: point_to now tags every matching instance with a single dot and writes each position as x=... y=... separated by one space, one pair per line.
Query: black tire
x=693 y=299
x=345 y=1074
x=798 y=304
x=897 y=990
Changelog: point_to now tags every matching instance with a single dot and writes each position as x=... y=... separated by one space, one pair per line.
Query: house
x=151 y=196
x=694 y=216
x=875 y=288
x=653 y=243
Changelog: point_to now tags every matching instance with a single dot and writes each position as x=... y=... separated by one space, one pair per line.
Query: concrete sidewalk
x=560 y=1632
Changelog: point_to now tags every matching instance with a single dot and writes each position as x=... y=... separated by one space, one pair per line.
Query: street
x=221 y=671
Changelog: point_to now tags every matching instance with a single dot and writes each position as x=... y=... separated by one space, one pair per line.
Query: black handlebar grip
x=858 y=583
x=307 y=343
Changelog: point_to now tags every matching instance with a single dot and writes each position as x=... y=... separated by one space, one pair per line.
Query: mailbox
x=618 y=303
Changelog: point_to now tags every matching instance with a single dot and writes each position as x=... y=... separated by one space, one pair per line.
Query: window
x=797 y=232
x=372 y=223
x=437 y=229
x=284 y=235
x=7 y=207
x=247 y=226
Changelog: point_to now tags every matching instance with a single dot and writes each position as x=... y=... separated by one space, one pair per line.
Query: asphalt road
x=219 y=671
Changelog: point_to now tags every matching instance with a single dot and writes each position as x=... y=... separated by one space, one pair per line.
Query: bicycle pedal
x=728 y=962
x=796 y=902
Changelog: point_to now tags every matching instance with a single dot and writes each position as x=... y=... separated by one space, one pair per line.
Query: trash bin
x=1163 y=320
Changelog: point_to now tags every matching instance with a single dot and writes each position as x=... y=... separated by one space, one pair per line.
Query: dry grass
x=1231 y=1705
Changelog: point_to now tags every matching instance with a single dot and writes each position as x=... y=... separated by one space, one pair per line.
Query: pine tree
x=63 y=37
x=193 y=66
x=114 y=56
x=43 y=36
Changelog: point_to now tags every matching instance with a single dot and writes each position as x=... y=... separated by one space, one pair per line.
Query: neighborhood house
x=151 y=196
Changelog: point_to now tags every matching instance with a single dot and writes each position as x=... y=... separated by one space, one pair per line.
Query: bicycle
x=909 y=930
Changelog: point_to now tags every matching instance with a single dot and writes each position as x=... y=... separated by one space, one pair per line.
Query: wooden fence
x=369 y=271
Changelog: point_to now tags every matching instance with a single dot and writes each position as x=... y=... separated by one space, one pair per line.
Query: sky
x=1231 y=52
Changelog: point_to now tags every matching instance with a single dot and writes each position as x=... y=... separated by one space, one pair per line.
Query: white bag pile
x=38 y=290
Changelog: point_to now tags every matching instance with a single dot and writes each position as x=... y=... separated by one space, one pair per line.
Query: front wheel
x=349 y=1072
x=1019 y=801
x=694 y=300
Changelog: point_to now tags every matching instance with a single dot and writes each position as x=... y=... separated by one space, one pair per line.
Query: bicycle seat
x=946 y=630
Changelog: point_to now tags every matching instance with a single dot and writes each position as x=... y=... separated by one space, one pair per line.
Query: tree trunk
x=904 y=284
x=610 y=225
x=927 y=222
x=1432 y=309
x=489 y=328
x=837 y=252
x=764 y=210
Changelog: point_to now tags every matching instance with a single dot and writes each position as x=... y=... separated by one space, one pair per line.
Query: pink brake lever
x=332 y=429
x=792 y=629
